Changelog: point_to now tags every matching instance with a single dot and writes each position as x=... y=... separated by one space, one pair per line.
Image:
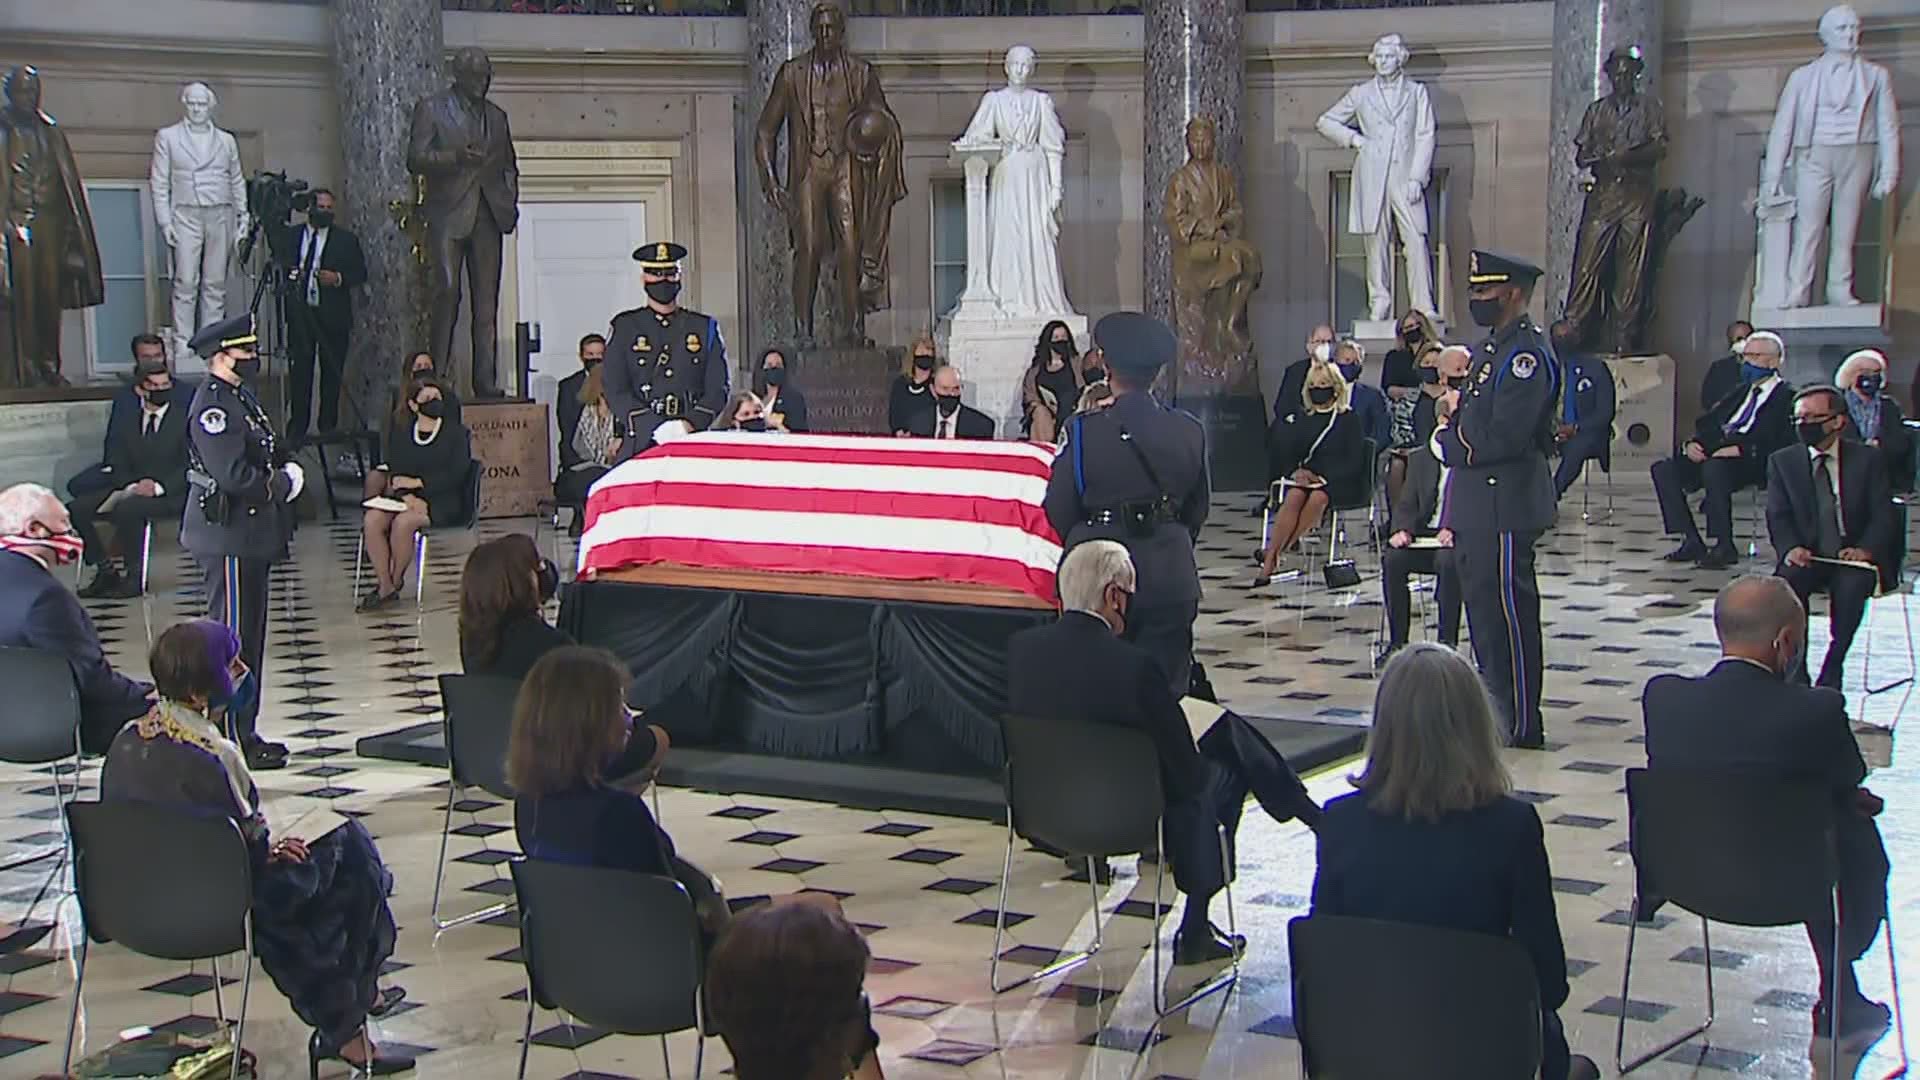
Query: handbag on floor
x=159 y=1055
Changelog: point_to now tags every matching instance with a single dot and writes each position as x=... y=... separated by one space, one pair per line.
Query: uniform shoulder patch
x=1524 y=365
x=1584 y=384
x=214 y=420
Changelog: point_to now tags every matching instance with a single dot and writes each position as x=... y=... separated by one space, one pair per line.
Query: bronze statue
x=1214 y=269
x=1622 y=138
x=844 y=172
x=49 y=261
x=462 y=149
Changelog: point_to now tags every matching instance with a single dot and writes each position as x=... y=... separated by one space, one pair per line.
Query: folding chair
x=41 y=727
x=478 y=712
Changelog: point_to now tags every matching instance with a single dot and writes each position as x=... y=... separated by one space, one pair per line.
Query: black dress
x=905 y=401
x=440 y=465
x=523 y=641
x=1340 y=458
x=1396 y=369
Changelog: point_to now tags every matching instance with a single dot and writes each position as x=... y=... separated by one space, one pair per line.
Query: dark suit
x=969 y=423
x=567 y=409
x=136 y=456
x=1674 y=477
x=1412 y=514
x=1097 y=476
x=1867 y=521
x=469 y=206
x=792 y=407
x=1293 y=383
x=37 y=611
x=1742 y=718
x=1483 y=870
x=1722 y=378
x=321 y=328
x=1589 y=382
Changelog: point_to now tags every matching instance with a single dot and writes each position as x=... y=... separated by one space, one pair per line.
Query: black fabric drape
x=801 y=676
x=673 y=640
x=949 y=664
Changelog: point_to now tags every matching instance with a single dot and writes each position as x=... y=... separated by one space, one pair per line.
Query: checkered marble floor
x=923 y=887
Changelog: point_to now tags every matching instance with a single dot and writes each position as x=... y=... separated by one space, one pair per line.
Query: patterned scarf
x=1866 y=414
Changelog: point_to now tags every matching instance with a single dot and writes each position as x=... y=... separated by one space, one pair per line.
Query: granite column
x=387 y=54
x=1584 y=31
x=776 y=32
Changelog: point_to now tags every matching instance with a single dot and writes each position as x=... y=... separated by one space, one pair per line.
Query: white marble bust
x=1836 y=133
x=1389 y=121
x=200 y=204
x=1024 y=192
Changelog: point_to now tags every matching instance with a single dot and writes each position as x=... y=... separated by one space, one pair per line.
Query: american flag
x=875 y=507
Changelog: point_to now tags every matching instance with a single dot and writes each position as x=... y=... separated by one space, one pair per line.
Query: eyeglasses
x=1751 y=354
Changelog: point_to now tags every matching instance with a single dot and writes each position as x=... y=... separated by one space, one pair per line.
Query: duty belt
x=1135 y=517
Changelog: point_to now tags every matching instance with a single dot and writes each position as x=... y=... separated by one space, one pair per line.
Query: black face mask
x=924 y=363
x=320 y=219
x=549 y=580
x=1413 y=335
x=1486 y=312
x=1061 y=349
x=662 y=292
x=157 y=398
x=1811 y=432
x=947 y=405
x=1320 y=395
x=1458 y=382
x=247 y=368
x=1430 y=376
x=1868 y=385
x=755 y=424
x=1094 y=375
x=592 y=362
x=776 y=376
x=433 y=410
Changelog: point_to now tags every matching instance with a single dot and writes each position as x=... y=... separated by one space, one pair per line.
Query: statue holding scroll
x=49 y=261
x=1214 y=267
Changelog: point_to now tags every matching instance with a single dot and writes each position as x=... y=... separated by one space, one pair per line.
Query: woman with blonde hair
x=744 y=412
x=1435 y=837
x=912 y=390
x=1318 y=453
x=1874 y=416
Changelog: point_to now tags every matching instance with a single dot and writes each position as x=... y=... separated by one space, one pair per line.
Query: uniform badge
x=1485 y=374
x=641 y=345
x=1524 y=365
x=1584 y=386
x=214 y=421
x=693 y=343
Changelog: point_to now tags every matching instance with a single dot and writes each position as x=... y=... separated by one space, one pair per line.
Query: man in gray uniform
x=1136 y=472
x=666 y=366
x=239 y=512
x=1501 y=498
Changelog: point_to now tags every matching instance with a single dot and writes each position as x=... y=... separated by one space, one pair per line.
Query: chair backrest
x=1085 y=788
x=43 y=723
x=1374 y=998
x=1747 y=850
x=478 y=718
x=163 y=881
x=615 y=949
x=470 y=510
x=1374 y=475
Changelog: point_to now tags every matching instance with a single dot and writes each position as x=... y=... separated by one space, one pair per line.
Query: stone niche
x=48 y=442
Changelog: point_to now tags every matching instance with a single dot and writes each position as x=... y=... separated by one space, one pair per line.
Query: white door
x=576 y=272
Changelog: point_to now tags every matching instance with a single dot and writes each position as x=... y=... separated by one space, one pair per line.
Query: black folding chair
x=41 y=727
x=1091 y=791
x=1374 y=998
x=613 y=949
x=165 y=883
x=478 y=716
x=1733 y=849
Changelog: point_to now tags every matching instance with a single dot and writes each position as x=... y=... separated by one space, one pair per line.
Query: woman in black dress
x=1400 y=381
x=912 y=390
x=781 y=402
x=1321 y=453
x=424 y=477
x=1051 y=388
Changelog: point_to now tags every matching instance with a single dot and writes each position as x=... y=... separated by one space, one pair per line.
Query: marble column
x=1584 y=31
x=776 y=32
x=387 y=54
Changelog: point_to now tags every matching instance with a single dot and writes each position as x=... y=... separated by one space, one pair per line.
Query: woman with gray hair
x=1435 y=837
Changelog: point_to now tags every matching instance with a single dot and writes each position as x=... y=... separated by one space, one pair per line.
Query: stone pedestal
x=847 y=388
x=387 y=54
x=1643 y=421
x=776 y=33
x=993 y=352
x=1583 y=33
x=976 y=299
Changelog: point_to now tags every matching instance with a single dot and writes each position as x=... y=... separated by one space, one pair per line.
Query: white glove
x=1359 y=141
x=297 y=476
x=166 y=234
x=670 y=430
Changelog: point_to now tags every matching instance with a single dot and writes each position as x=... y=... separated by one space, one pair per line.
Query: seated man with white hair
x=37 y=611
x=1874 y=416
x=1080 y=668
x=949 y=418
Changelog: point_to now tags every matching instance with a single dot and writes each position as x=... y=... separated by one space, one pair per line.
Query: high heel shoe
x=380 y=1065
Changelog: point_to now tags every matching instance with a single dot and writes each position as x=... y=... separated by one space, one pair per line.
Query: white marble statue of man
x=1838 y=126
x=1389 y=120
x=200 y=204
x=1023 y=196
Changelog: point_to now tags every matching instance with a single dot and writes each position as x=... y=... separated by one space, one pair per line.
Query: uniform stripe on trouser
x=230 y=575
x=1511 y=613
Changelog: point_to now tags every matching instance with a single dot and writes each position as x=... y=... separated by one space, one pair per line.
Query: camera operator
x=147 y=466
x=327 y=266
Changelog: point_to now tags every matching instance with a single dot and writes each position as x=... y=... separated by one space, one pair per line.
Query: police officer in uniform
x=666 y=367
x=1501 y=498
x=239 y=512
x=1136 y=472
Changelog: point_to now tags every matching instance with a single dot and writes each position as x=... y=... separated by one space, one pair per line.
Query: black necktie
x=153 y=425
x=1827 y=525
x=306 y=268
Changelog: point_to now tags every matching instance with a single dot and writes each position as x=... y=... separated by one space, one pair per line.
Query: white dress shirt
x=316 y=240
x=1749 y=410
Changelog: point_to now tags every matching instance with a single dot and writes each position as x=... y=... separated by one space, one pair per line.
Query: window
x=949 y=278
x=1350 y=253
x=138 y=283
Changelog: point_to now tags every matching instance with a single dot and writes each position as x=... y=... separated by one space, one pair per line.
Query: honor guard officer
x=1136 y=472
x=1501 y=496
x=666 y=367
x=239 y=512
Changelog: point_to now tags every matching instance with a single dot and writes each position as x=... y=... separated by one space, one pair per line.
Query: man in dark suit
x=123 y=414
x=1729 y=449
x=460 y=143
x=567 y=406
x=1293 y=380
x=949 y=418
x=1082 y=668
x=1418 y=515
x=328 y=266
x=1748 y=716
x=1723 y=375
x=147 y=462
x=37 y=611
x=1807 y=522
x=1584 y=430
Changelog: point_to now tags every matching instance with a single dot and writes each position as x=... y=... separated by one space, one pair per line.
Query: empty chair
x=478 y=718
x=41 y=726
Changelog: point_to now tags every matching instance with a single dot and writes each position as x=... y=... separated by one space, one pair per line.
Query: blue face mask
x=1350 y=372
x=1868 y=385
x=238 y=699
x=1754 y=372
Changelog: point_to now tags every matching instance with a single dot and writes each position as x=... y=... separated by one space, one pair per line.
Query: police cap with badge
x=1492 y=268
x=233 y=333
x=1136 y=346
x=659 y=258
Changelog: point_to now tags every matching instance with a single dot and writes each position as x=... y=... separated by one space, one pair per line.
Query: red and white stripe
x=898 y=509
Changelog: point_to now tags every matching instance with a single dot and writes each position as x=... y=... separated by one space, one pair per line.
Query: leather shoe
x=104 y=582
x=1691 y=551
x=123 y=588
x=1721 y=557
x=1581 y=1067
x=265 y=755
x=1207 y=948
x=1861 y=1021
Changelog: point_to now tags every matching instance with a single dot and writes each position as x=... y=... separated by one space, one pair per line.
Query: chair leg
x=1899 y=1022
x=219 y=999
x=359 y=560
x=1906 y=618
x=73 y=1014
x=420 y=569
x=146 y=556
x=440 y=874
x=246 y=991
x=1060 y=965
x=1833 y=995
x=1626 y=976
x=526 y=1034
x=1214 y=985
x=666 y=1059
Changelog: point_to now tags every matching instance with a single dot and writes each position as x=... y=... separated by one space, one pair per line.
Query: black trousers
x=1396 y=565
x=1674 y=477
x=1190 y=832
x=308 y=335
x=1848 y=589
x=237 y=597
x=1503 y=611
x=125 y=521
x=570 y=487
x=1574 y=455
x=1165 y=630
x=1863 y=902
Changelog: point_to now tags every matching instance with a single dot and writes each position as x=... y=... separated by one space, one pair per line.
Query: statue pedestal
x=1221 y=390
x=847 y=388
x=1643 y=423
x=976 y=300
x=993 y=352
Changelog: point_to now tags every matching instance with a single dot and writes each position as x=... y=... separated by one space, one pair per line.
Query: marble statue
x=1024 y=190
x=1214 y=268
x=845 y=171
x=1389 y=120
x=200 y=205
x=1837 y=125
x=1621 y=140
x=49 y=261
x=460 y=144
